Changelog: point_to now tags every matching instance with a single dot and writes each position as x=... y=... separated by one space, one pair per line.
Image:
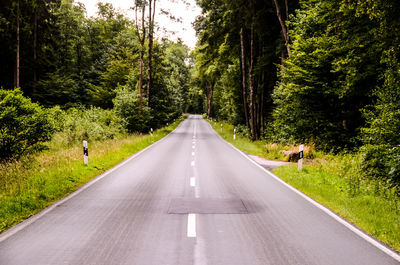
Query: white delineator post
x=85 y=153
x=234 y=134
x=151 y=131
x=221 y=127
x=300 y=166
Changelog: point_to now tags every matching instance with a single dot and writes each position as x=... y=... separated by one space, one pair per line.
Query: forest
x=320 y=72
x=317 y=72
x=89 y=77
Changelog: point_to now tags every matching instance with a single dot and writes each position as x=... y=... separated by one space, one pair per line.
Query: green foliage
x=126 y=106
x=333 y=68
x=382 y=149
x=77 y=124
x=24 y=126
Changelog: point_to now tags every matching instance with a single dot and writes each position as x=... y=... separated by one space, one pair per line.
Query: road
x=191 y=198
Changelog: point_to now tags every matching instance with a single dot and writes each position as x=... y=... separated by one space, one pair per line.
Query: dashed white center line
x=192 y=182
x=192 y=153
x=192 y=163
x=193 y=146
x=191 y=226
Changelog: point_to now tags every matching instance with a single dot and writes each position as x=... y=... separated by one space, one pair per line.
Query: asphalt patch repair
x=206 y=206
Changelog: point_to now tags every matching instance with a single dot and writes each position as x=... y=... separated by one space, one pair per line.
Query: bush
x=381 y=137
x=78 y=124
x=126 y=106
x=24 y=125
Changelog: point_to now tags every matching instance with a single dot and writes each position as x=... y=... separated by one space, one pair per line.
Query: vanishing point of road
x=191 y=198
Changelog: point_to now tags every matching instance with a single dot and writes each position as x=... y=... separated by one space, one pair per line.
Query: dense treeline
x=64 y=61
x=321 y=72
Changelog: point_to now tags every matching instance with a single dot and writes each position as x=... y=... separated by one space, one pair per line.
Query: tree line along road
x=188 y=199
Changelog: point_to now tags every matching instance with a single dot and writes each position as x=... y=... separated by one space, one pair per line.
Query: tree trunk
x=285 y=30
x=209 y=99
x=262 y=88
x=243 y=66
x=150 y=48
x=18 y=48
x=251 y=79
x=142 y=40
x=140 y=82
x=35 y=21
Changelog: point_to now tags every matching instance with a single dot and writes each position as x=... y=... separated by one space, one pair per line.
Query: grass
x=33 y=183
x=272 y=151
x=335 y=181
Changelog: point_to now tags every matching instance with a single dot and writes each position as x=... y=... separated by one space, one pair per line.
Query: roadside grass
x=335 y=181
x=272 y=151
x=35 y=182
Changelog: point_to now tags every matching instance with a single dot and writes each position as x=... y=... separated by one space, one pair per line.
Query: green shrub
x=381 y=137
x=126 y=105
x=24 y=125
x=78 y=124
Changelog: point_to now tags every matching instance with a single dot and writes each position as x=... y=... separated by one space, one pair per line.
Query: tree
x=151 y=24
x=328 y=78
x=140 y=5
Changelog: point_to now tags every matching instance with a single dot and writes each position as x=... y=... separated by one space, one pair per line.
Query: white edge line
x=18 y=227
x=386 y=249
x=192 y=182
x=191 y=225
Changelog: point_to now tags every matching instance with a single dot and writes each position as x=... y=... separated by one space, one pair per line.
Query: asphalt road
x=189 y=199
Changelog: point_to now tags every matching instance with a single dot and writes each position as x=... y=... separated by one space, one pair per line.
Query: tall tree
x=284 y=24
x=140 y=5
x=151 y=22
x=18 y=43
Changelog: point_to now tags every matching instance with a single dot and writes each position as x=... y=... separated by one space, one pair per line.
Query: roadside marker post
x=234 y=134
x=300 y=165
x=85 y=153
x=151 y=131
x=221 y=127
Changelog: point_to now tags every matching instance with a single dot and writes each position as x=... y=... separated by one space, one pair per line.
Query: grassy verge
x=336 y=182
x=35 y=182
x=270 y=151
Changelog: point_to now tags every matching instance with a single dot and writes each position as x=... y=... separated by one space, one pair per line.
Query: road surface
x=189 y=199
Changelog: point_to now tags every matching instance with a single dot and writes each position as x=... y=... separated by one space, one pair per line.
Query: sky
x=177 y=8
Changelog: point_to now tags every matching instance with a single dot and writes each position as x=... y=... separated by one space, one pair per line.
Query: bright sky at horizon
x=178 y=9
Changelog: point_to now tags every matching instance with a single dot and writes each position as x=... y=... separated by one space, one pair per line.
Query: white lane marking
x=328 y=211
x=192 y=163
x=15 y=229
x=192 y=182
x=191 y=225
x=192 y=146
x=192 y=153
